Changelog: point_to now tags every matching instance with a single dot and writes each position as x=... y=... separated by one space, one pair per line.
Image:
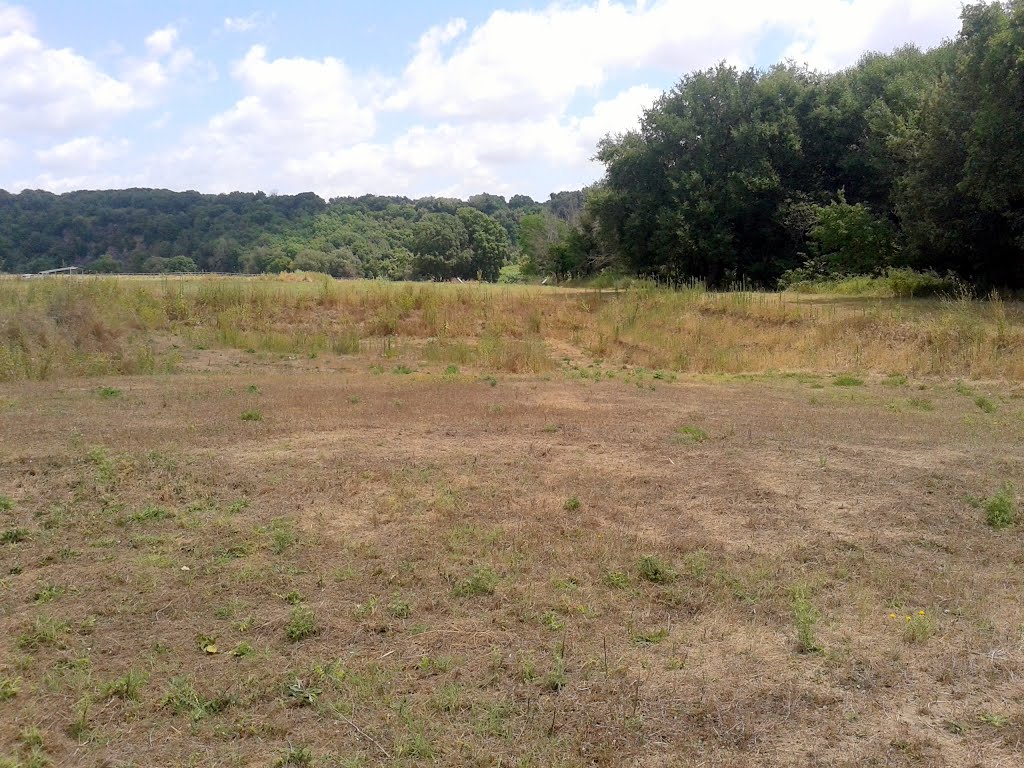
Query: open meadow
x=289 y=522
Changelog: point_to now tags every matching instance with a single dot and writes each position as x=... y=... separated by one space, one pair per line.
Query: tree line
x=907 y=159
x=911 y=159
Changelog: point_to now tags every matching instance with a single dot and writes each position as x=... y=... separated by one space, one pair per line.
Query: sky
x=396 y=97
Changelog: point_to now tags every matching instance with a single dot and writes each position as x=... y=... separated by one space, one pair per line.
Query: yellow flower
x=920 y=613
x=892 y=615
x=908 y=618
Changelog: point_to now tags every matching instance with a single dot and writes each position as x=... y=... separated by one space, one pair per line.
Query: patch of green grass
x=243 y=649
x=150 y=514
x=45 y=631
x=615 y=579
x=281 y=535
x=451 y=370
x=655 y=570
x=252 y=415
x=650 y=637
x=572 y=504
x=921 y=404
x=127 y=687
x=963 y=389
x=895 y=380
x=993 y=719
x=301 y=624
x=985 y=404
x=402 y=370
x=690 y=434
x=1001 y=508
x=108 y=393
x=6 y=504
x=806 y=617
x=553 y=621
x=184 y=699
x=9 y=687
x=14 y=536
x=847 y=381
x=295 y=756
x=48 y=593
x=399 y=608
x=482 y=581
x=252 y=389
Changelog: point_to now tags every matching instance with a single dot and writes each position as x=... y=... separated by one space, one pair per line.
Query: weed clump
x=572 y=504
x=482 y=581
x=14 y=536
x=847 y=381
x=806 y=617
x=1000 y=508
x=654 y=570
x=252 y=415
x=690 y=434
x=301 y=624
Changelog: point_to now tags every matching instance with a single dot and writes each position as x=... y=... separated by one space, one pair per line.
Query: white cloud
x=87 y=153
x=8 y=151
x=243 y=23
x=161 y=41
x=50 y=91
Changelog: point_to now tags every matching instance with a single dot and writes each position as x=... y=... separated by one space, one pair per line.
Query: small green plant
x=14 y=536
x=183 y=699
x=615 y=579
x=48 y=593
x=295 y=756
x=252 y=415
x=650 y=637
x=655 y=570
x=109 y=393
x=149 y=514
x=1000 y=508
x=45 y=631
x=895 y=380
x=921 y=404
x=847 y=381
x=963 y=389
x=301 y=624
x=9 y=687
x=806 y=617
x=553 y=621
x=127 y=687
x=572 y=504
x=252 y=389
x=482 y=581
x=6 y=504
x=293 y=598
x=399 y=608
x=402 y=370
x=985 y=404
x=918 y=628
x=993 y=719
x=690 y=434
x=242 y=650
x=301 y=693
x=555 y=679
x=281 y=535
x=451 y=370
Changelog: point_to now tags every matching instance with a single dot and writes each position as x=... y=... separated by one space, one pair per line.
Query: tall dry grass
x=82 y=326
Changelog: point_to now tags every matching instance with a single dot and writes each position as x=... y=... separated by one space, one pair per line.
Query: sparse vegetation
x=418 y=577
x=1001 y=508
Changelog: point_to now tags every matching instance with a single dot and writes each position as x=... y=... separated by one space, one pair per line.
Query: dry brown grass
x=77 y=326
x=442 y=567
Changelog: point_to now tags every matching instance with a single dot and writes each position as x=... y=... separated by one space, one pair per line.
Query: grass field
x=313 y=523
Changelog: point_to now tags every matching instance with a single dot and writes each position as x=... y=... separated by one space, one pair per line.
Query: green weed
x=127 y=687
x=45 y=631
x=14 y=536
x=654 y=570
x=1001 y=508
x=295 y=756
x=183 y=699
x=482 y=581
x=985 y=404
x=9 y=687
x=690 y=434
x=918 y=628
x=572 y=504
x=615 y=579
x=806 y=617
x=301 y=624
x=847 y=381
x=6 y=504
x=252 y=415
x=109 y=393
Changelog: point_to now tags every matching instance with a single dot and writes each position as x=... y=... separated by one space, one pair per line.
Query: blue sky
x=413 y=98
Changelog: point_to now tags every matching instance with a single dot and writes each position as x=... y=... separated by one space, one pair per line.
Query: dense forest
x=910 y=159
